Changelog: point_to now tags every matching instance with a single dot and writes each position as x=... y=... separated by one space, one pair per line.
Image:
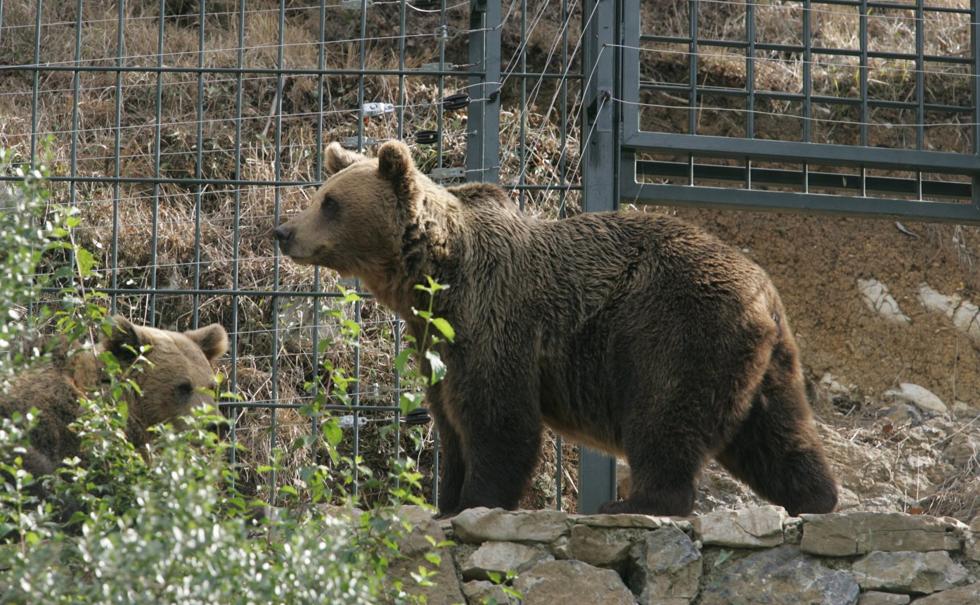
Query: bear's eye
x=330 y=208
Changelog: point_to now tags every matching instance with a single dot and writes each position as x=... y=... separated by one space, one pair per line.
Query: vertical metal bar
x=562 y=195
x=236 y=225
x=483 y=122
x=522 y=178
x=749 y=83
x=693 y=8
x=356 y=397
x=442 y=38
x=597 y=473
x=920 y=86
x=750 y=69
x=863 y=34
x=975 y=72
x=318 y=177
x=1 y=23
x=807 y=88
x=37 y=81
x=75 y=94
x=199 y=164
x=401 y=135
x=155 y=218
x=277 y=207
x=563 y=109
x=120 y=53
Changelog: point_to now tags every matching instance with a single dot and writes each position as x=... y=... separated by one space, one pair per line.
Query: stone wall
x=757 y=555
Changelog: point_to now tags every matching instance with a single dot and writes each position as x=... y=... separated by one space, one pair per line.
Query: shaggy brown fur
x=177 y=369
x=637 y=334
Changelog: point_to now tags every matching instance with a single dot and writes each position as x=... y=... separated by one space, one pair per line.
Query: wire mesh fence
x=183 y=130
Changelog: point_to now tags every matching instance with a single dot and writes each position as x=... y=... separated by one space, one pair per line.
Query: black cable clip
x=456 y=101
x=426 y=137
x=416 y=417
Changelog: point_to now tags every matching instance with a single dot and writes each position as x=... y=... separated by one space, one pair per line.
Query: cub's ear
x=336 y=158
x=395 y=162
x=212 y=339
x=122 y=339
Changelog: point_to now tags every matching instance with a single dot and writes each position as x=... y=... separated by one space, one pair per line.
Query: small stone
x=602 y=547
x=479 y=592
x=911 y=572
x=481 y=524
x=963 y=451
x=876 y=297
x=666 y=568
x=760 y=526
x=792 y=530
x=964 y=314
x=857 y=533
x=568 y=582
x=965 y=595
x=962 y=409
x=920 y=397
x=778 y=576
x=882 y=598
x=501 y=557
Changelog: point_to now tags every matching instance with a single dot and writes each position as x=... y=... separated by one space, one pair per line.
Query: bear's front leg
x=500 y=427
x=453 y=467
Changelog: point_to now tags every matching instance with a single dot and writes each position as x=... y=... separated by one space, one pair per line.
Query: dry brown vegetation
x=176 y=236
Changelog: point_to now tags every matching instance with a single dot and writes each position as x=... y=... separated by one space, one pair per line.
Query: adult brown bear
x=637 y=334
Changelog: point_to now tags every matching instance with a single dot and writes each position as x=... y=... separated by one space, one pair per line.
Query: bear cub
x=637 y=334
x=177 y=369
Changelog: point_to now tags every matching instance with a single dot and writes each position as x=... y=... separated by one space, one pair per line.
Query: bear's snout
x=283 y=234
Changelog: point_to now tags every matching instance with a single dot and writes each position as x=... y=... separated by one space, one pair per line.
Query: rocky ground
x=749 y=556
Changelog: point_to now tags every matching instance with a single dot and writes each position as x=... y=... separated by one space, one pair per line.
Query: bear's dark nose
x=283 y=233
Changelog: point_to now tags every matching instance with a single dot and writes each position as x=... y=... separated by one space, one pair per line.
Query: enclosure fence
x=183 y=130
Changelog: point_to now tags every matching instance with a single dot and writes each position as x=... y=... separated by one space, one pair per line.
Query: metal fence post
x=600 y=189
x=483 y=123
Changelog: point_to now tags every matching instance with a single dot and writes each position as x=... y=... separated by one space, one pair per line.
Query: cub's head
x=356 y=221
x=179 y=368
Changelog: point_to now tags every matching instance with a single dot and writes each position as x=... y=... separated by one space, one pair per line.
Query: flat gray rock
x=572 y=582
x=909 y=572
x=476 y=525
x=964 y=595
x=756 y=527
x=791 y=578
x=858 y=533
x=501 y=557
x=666 y=568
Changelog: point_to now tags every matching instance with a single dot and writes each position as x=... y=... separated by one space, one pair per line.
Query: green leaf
x=401 y=361
x=332 y=432
x=437 y=366
x=85 y=261
x=445 y=328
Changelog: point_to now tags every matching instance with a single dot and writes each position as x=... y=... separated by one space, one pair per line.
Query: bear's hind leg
x=662 y=471
x=777 y=452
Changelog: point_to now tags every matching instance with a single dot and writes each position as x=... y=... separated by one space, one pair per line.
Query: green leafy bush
x=166 y=524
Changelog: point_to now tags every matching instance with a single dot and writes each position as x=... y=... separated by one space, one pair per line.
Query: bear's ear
x=212 y=339
x=395 y=162
x=336 y=158
x=122 y=340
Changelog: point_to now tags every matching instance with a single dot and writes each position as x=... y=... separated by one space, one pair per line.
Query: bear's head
x=358 y=218
x=178 y=370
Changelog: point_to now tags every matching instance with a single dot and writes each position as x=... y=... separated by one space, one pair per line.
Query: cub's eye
x=330 y=208
x=185 y=390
